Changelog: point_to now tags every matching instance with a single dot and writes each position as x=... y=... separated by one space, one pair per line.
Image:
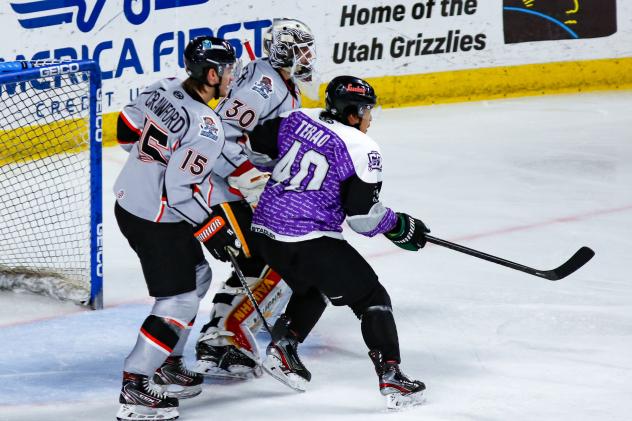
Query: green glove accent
x=409 y=233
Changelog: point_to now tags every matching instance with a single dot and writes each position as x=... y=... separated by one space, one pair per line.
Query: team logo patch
x=209 y=129
x=375 y=161
x=178 y=94
x=263 y=87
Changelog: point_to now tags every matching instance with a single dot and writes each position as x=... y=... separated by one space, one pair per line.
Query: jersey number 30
x=311 y=159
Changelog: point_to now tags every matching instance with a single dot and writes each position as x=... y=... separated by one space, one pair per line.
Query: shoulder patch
x=208 y=128
x=264 y=87
x=178 y=94
x=375 y=161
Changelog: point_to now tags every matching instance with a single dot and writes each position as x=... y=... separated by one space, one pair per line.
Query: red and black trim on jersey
x=126 y=132
x=161 y=209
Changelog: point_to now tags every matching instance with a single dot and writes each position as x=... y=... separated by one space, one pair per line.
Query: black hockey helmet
x=204 y=53
x=346 y=95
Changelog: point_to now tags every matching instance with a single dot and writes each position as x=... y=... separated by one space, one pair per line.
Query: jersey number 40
x=310 y=159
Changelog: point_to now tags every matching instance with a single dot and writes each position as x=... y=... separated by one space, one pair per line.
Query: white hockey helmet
x=290 y=45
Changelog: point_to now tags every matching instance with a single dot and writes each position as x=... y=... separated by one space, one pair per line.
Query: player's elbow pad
x=378 y=220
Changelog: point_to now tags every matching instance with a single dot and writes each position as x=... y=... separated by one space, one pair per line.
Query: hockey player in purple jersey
x=329 y=170
x=173 y=138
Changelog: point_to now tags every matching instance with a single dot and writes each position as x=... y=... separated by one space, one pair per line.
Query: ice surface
x=530 y=180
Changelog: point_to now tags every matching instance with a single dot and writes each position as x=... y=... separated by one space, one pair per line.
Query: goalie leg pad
x=227 y=344
x=233 y=312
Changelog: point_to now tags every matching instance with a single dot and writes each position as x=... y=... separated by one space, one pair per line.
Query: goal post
x=51 y=232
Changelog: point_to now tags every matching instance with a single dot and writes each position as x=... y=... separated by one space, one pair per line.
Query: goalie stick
x=579 y=259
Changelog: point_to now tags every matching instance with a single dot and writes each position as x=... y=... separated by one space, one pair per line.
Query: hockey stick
x=244 y=284
x=579 y=259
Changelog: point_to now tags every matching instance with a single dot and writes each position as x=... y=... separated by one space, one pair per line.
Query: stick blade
x=579 y=259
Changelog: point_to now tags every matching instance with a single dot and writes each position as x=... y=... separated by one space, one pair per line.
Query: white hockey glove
x=250 y=184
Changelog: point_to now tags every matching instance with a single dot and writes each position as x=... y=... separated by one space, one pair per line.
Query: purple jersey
x=303 y=199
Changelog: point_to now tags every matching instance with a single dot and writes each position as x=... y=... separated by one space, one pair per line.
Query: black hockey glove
x=216 y=235
x=409 y=233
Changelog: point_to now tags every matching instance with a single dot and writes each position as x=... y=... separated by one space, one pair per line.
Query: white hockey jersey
x=167 y=174
x=258 y=95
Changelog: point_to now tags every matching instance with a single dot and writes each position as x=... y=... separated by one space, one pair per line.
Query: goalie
x=266 y=88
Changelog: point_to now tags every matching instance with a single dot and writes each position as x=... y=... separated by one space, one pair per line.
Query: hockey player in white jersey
x=265 y=89
x=162 y=208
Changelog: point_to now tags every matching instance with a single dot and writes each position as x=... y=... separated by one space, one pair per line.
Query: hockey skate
x=225 y=361
x=282 y=363
x=176 y=381
x=400 y=391
x=141 y=399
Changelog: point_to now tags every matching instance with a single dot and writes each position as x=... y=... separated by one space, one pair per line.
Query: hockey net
x=50 y=231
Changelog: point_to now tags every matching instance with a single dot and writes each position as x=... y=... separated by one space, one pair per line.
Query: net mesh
x=45 y=186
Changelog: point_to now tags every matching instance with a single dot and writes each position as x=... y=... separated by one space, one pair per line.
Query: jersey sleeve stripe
x=128 y=122
x=126 y=135
x=161 y=211
x=243 y=168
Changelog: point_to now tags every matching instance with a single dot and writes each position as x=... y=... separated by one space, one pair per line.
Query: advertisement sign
x=137 y=42
x=541 y=20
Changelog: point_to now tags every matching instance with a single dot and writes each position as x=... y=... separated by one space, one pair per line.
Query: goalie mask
x=289 y=43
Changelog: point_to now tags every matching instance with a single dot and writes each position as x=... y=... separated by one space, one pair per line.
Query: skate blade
x=144 y=413
x=239 y=373
x=182 y=392
x=293 y=381
x=398 y=402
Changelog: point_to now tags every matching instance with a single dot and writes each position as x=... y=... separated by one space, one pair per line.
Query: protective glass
x=233 y=69
x=367 y=109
